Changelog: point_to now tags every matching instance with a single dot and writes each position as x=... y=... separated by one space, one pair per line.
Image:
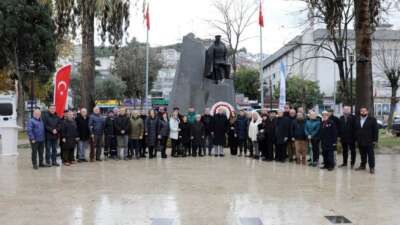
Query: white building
x=165 y=77
x=325 y=71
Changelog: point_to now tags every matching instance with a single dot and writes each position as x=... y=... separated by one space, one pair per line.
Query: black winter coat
x=347 y=129
x=298 y=131
x=232 y=135
x=151 y=129
x=367 y=134
x=69 y=131
x=184 y=133
x=242 y=126
x=51 y=122
x=283 y=130
x=109 y=126
x=270 y=128
x=328 y=133
x=208 y=122
x=220 y=129
x=197 y=132
x=122 y=123
x=163 y=128
x=83 y=127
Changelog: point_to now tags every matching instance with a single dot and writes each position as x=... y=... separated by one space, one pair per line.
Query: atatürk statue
x=216 y=66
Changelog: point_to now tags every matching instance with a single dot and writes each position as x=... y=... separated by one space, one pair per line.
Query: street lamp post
x=31 y=71
x=351 y=59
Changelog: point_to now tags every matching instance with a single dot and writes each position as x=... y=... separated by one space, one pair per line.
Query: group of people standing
x=287 y=135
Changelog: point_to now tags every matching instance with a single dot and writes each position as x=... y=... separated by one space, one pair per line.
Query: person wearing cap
x=36 y=134
x=328 y=141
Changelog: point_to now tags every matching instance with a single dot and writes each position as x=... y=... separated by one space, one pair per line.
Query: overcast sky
x=172 y=19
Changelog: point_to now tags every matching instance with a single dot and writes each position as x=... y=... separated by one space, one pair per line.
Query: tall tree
x=247 y=81
x=130 y=67
x=110 y=87
x=27 y=44
x=366 y=18
x=336 y=16
x=113 y=17
x=387 y=61
x=235 y=16
x=301 y=92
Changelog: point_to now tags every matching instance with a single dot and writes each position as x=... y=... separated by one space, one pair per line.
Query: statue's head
x=218 y=38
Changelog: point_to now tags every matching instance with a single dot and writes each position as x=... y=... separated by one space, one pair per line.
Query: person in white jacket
x=253 y=131
x=174 y=133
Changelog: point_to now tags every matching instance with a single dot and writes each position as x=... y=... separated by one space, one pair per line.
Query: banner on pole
x=282 y=90
x=61 y=86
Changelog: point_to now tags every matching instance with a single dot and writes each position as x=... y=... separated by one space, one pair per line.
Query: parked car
x=381 y=124
x=396 y=127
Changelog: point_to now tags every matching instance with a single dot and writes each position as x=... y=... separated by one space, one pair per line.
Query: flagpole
x=261 y=66
x=147 y=69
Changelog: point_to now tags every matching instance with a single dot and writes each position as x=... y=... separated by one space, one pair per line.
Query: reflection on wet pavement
x=196 y=191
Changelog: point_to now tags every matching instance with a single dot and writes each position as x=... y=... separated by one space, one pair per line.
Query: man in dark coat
x=347 y=135
x=96 y=126
x=197 y=132
x=328 y=141
x=122 y=127
x=82 y=122
x=143 y=145
x=208 y=122
x=242 y=127
x=291 y=149
x=367 y=137
x=110 y=142
x=220 y=129
x=69 y=137
x=52 y=124
x=282 y=135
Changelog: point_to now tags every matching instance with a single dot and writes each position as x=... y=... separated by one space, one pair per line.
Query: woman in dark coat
x=220 y=129
x=263 y=137
x=232 y=135
x=282 y=135
x=163 y=134
x=150 y=128
x=241 y=129
x=328 y=141
x=184 y=136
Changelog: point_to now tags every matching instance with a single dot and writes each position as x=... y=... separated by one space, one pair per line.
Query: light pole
x=351 y=60
x=31 y=71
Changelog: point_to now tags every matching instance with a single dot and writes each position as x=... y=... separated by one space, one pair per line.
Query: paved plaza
x=196 y=191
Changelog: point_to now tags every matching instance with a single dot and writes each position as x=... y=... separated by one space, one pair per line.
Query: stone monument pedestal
x=191 y=88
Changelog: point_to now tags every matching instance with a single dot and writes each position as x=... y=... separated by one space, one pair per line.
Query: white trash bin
x=8 y=140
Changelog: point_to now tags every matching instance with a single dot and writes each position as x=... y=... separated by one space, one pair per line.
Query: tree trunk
x=234 y=63
x=393 y=103
x=345 y=95
x=87 y=84
x=363 y=31
x=20 y=93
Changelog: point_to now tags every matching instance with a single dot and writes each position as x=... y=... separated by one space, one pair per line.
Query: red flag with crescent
x=61 y=86
x=147 y=17
x=260 y=16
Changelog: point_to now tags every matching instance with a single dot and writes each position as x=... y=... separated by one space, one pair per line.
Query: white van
x=8 y=110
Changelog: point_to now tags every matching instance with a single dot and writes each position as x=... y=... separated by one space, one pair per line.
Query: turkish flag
x=147 y=16
x=61 y=86
x=260 y=16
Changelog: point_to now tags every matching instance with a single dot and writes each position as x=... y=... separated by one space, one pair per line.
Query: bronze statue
x=216 y=66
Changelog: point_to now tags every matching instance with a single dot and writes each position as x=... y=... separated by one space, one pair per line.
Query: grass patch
x=387 y=140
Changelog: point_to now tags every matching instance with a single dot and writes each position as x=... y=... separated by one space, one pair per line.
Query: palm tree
x=113 y=17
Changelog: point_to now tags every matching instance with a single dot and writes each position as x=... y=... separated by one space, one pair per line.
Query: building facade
x=299 y=59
